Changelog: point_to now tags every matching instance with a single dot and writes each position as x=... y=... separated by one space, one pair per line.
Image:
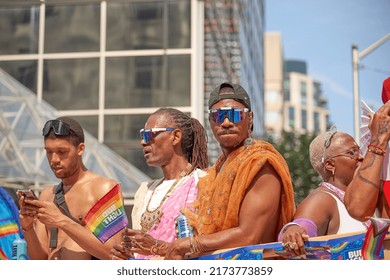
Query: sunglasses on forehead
x=147 y=134
x=59 y=127
x=235 y=115
x=328 y=141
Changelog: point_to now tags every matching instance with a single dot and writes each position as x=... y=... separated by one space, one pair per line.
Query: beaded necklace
x=150 y=218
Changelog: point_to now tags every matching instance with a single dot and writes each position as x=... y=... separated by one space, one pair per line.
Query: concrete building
x=294 y=100
x=273 y=82
x=305 y=107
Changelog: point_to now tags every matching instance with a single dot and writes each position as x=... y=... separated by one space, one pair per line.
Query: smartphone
x=27 y=194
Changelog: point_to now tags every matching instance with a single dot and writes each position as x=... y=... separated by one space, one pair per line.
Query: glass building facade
x=110 y=64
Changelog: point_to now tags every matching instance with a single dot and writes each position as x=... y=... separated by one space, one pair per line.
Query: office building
x=295 y=101
x=110 y=64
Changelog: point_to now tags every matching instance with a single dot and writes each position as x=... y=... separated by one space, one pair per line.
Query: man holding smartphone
x=82 y=217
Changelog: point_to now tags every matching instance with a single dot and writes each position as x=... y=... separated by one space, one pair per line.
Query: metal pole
x=355 y=68
x=356 y=110
x=371 y=48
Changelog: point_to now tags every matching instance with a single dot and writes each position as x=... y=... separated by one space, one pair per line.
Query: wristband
x=27 y=229
x=284 y=228
x=308 y=225
x=376 y=150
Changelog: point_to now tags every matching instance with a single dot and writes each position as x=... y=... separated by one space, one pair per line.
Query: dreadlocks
x=194 y=138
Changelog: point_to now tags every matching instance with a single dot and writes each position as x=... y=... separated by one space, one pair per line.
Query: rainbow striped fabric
x=9 y=224
x=373 y=241
x=107 y=216
x=3 y=256
x=8 y=228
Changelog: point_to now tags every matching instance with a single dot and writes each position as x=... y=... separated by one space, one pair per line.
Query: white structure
x=273 y=82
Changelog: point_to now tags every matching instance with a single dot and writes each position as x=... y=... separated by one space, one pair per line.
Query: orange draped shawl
x=220 y=194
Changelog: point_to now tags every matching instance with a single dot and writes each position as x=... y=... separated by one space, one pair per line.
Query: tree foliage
x=295 y=149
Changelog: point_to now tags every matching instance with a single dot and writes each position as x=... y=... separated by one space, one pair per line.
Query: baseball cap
x=239 y=94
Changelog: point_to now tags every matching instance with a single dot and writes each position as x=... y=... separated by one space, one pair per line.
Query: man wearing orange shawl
x=220 y=194
x=247 y=195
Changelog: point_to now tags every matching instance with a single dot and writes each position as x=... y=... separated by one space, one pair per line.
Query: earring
x=248 y=141
x=333 y=172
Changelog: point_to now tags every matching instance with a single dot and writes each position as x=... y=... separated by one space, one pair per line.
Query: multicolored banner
x=107 y=216
x=373 y=241
x=335 y=247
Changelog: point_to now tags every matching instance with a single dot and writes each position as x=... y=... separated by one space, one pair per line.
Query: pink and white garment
x=184 y=195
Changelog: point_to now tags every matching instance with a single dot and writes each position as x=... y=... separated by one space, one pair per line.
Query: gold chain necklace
x=150 y=218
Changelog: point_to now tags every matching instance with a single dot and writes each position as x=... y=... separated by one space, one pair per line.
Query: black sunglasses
x=59 y=127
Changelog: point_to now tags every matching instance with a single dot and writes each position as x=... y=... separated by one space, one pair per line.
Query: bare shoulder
x=99 y=185
x=318 y=200
x=319 y=194
x=267 y=174
x=47 y=193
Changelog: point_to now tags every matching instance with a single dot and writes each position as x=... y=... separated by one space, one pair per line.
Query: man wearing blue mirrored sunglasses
x=177 y=144
x=247 y=195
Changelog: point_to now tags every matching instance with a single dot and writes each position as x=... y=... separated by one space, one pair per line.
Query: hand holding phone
x=27 y=209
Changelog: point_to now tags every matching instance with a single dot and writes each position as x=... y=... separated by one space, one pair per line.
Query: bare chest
x=79 y=204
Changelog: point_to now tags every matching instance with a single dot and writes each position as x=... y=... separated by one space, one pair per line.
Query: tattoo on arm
x=383 y=128
x=364 y=179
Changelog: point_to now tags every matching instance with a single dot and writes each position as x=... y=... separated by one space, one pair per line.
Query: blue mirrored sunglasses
x=147 y=134
x=59 y=127
x=235 y=115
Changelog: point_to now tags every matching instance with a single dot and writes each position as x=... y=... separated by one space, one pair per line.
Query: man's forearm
x=34 y=246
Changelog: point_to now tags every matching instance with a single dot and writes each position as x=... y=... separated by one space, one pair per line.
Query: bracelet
x=308 y=225
x=154 y=248
x=192 y=247
x=196 y=246
x=376 y=150
x=284 y=228
x=28 y=229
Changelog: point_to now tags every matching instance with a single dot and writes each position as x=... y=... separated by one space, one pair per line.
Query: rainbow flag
x=107 y=216
x=373 y=241
x=9 y=228
x=3 y=256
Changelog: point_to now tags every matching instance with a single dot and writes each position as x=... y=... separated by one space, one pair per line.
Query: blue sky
x=322 y=33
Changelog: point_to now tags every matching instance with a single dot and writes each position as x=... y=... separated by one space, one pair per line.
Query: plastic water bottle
x=184 y=229
x=19 y=249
